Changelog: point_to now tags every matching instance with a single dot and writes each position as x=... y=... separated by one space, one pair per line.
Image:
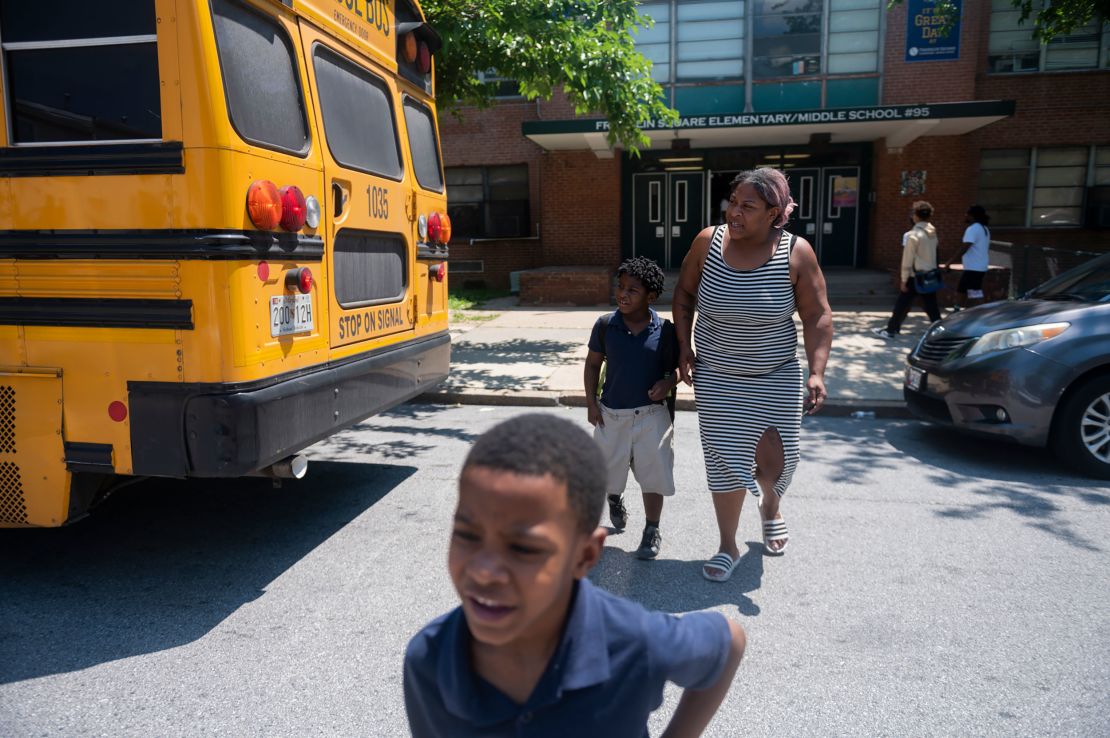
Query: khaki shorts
x=642 y=439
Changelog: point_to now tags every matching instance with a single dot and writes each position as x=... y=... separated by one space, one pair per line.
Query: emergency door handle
x=339 y=198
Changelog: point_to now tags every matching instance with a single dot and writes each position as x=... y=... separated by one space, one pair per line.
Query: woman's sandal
x=722 y=562
x=775 y=530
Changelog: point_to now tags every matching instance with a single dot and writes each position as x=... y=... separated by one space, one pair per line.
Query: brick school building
x=866 y=110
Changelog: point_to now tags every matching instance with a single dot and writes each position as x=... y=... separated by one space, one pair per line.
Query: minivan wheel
x=1081 y=436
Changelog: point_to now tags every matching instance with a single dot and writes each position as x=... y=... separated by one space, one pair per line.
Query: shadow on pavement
x=981 y=475
x=163 y=562
x=652 y=583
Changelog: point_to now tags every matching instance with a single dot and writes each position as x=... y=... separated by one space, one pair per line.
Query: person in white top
x=974 y=254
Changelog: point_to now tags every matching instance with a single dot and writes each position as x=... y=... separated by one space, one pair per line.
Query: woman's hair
x=923 y=209
x=645 y=270
x=772 y=188
x=979 y=214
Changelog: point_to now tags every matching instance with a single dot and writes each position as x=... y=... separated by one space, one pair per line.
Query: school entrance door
x=668 y=211
x=828 y=211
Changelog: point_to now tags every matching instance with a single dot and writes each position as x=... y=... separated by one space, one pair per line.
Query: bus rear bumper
x=218 y=430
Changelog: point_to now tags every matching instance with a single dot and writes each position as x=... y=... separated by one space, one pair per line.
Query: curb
x=834 y=407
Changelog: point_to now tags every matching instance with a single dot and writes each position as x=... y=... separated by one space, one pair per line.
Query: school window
x=710 y=37
x=1012 y=48
x=655 y=42
x=1043 y=187
x=80 y=72
x=786 y=39
x=488 y=202
x=854 y=36
x=502 y=88
x=260 y=78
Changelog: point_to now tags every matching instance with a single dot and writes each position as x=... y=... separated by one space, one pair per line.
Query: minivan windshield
x=1088 y=282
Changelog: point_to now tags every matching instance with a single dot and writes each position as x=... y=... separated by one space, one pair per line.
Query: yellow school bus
x=222 y=237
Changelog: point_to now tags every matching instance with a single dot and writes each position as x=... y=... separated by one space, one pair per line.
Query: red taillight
x=435 y=227
x=439 y=228
x=438 y=272
x=264 y=204
x=423 y=58
x=117 y=411
x=301 y=279
x=294 y=210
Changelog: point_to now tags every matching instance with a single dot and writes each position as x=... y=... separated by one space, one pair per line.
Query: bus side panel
x=96 y=365
x=34 y=484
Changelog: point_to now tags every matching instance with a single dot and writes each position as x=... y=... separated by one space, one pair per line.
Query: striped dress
x=746 y=376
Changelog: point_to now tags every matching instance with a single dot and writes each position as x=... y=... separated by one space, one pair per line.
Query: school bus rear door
x=370 y=258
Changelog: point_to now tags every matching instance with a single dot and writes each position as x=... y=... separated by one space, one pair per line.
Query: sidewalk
x=508 y=355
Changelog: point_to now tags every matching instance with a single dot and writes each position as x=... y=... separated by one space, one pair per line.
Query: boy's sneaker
x=883 y=333
x=618 y=514
x=650 y=543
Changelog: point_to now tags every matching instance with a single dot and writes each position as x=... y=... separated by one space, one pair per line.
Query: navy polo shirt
x=633 y=363
x=605 y=677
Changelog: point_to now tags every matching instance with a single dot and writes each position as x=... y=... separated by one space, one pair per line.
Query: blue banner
x=930 y=34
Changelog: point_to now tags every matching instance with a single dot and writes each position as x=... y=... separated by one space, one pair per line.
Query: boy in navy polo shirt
x=535 y=649
x=631 y=423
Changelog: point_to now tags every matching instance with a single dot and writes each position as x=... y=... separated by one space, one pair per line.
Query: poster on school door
x=931 y=33
x=845 y=192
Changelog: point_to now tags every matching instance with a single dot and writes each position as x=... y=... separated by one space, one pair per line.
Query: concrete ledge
x=834 y=407
x=521 y=398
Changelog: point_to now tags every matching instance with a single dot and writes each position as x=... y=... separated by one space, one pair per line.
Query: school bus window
x=370 y=268
x=72 y=81
x=260 y=78
x=422 y=144
x=358 y=116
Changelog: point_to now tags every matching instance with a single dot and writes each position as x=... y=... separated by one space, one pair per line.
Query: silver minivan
x=1035 y=370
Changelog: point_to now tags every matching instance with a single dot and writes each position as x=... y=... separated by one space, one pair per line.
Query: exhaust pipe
x=291 y=467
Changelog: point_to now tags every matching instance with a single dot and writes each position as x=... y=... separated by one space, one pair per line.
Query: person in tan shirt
x=919 y=254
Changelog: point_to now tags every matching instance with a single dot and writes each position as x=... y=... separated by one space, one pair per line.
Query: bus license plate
x=290 y=314
x=915 y=378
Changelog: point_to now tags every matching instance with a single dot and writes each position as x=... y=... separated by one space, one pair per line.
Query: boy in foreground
x=632 y=423
x=534 y=643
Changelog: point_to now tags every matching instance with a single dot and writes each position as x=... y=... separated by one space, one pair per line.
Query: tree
x=584 y=46
x=1050 y=19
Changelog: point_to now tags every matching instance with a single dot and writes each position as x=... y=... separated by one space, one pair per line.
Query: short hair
x=644 y=269
x=772 y=187
x=978 y=213
x=537 y=444
x=923 y=209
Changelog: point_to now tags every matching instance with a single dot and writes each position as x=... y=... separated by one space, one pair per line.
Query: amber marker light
x=264 y=204
x=409 y=47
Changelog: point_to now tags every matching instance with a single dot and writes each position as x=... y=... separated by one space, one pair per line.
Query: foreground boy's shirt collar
x=580 y=660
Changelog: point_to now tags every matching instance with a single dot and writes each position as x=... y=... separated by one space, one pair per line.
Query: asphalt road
x=934 y=585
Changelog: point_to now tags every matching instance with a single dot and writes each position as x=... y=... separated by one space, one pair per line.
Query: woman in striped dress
x=745 y=279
